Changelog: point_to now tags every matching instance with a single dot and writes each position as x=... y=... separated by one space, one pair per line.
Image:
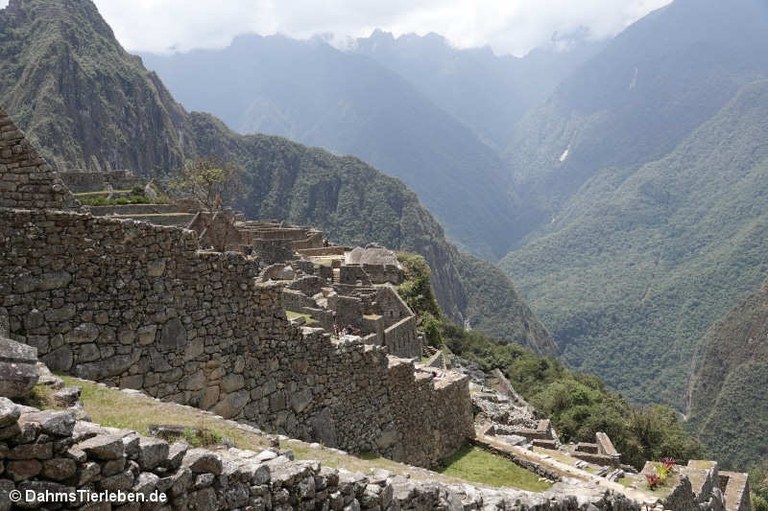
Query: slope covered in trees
x=578 y=404
x=727 y=403
x=637 y=99
x=643 y=260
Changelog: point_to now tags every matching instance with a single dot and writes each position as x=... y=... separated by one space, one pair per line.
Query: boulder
x=18 y=368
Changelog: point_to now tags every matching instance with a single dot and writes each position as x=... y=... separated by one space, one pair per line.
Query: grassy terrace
x=480 y=466
x=113 y=408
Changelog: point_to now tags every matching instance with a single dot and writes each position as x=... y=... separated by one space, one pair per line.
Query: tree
x=209 y=182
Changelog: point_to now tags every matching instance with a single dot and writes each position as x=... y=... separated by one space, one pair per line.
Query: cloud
x=508 y=26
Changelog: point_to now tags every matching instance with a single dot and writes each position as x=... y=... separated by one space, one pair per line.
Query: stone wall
x=88 y=181
x=401 y=338
x=384 y=274
x=140 y=306
x=49 y=451
x=415 y=395
x=26 y=180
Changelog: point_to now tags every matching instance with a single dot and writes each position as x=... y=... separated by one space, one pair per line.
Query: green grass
x=480 y=466
x=120 y=201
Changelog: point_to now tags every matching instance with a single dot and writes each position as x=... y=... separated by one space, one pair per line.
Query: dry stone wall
x=49 y=451
x=26 y=180
x=140 y=306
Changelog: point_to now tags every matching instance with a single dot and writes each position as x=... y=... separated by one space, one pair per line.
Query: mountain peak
x=80 y=13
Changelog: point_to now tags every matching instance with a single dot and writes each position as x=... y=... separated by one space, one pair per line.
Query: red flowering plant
x=653 y=481
x=660 y=472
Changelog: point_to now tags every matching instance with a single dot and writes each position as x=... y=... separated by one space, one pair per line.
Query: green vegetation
x=210 y=183
x=727 y=405
x=758 y=484
x=578 y=404
x=643 y=262
x=477 y=465
x=117 y=201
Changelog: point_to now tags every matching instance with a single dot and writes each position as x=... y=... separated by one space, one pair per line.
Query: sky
x=507 y=26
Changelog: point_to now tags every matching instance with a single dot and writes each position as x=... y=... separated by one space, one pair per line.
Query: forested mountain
x=728 y=406
x=650 y=161
x=643 y=260
x=80 y=96
x=350 y=104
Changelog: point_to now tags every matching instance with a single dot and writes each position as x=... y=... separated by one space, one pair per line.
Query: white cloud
x=508 y=26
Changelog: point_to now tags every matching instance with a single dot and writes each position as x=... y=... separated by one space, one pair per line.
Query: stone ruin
x=349 y=299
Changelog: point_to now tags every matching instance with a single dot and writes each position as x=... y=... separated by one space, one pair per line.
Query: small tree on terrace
x=209 y=182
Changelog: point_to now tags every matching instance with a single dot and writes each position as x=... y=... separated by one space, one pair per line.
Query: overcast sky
x=508 y=26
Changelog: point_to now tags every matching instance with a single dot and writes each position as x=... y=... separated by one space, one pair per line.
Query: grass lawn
x=480 y=466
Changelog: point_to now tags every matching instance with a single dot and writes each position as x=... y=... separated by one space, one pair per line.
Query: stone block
x=18 y=368
x=103 y=447
x=232 y=382
x=83 y=333
x=9 y=413
x=152 y=452
x=51 y=422
x=59 y=469
x=21 y=470
x=173 y=336
x=201 y=461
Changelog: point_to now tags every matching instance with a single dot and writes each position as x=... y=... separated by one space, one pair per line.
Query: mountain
x=648 y=163
x=67 y=82
x=727 y=406
x=637 y=99
x=488 y=93
x=79 y=95
x=349 y=104
x=642 y=261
